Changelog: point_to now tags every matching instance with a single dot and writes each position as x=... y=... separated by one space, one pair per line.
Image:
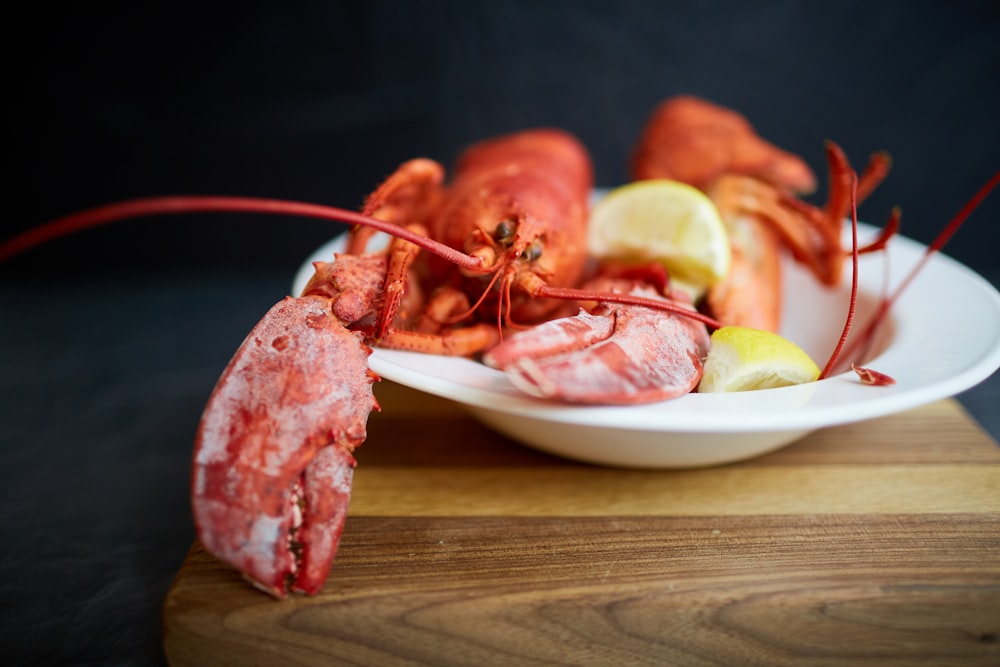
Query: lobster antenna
x=936 y=245
x=154 y=206
x=573 y=294
x=854 y=281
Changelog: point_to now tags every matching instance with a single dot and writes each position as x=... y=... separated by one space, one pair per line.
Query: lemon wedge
x=665 y=221
x=743 y=359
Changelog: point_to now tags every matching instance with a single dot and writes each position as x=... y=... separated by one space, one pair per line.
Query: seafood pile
x=490 y=262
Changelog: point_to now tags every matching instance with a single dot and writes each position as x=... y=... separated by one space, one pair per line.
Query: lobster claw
x=692 y=140
x=612 y=355
x=273 y=460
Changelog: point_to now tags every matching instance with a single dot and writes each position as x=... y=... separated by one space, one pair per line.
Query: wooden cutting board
x=876 y=543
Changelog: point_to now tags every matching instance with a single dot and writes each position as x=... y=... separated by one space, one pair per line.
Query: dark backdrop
x=319 y=100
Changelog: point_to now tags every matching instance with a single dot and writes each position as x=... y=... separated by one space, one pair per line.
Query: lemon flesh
x=664 y=221
x=744 y=359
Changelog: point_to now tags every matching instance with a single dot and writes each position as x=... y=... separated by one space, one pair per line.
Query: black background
x=111 y=340
x=318 y=101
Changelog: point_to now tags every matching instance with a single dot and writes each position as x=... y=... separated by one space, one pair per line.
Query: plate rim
x=867 y=402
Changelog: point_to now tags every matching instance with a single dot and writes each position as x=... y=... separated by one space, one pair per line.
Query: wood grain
x=875 y=543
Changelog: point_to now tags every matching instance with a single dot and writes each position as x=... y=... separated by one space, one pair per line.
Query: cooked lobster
x=756 y=187
x=273 y=456
x=496 y=250
x=488 y=257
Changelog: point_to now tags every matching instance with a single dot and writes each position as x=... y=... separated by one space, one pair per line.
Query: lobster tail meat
x=751 y=295
x=273 y=457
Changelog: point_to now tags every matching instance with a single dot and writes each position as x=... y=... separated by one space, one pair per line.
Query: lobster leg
x=273 y=454
x=813 y=235
x=410 y=194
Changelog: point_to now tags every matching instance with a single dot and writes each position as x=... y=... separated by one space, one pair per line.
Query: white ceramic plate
x=943 y=337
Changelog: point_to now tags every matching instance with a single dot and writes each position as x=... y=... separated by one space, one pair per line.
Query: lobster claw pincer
x=612 y=355
x=273 y=460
